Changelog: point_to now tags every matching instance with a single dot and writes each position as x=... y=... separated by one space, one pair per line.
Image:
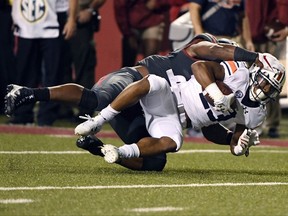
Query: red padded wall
x=108 y=42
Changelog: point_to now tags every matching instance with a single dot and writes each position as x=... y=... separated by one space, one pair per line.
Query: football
x=273 y=27
x=224 y=88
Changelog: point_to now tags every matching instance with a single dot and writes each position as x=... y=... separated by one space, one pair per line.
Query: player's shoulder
x=232 y=67
x=236 y=75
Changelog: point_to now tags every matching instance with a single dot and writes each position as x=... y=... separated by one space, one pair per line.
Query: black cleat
x=91 y=144
x=17 y=96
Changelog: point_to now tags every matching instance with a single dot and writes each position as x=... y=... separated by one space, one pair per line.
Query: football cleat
x=111 y=153
x=17 y=96
x=91 y=126
x=91 y=144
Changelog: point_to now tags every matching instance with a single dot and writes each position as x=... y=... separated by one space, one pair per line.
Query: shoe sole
x=110 y=152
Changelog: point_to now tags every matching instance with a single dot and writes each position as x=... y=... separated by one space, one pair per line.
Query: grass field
x=49 y=175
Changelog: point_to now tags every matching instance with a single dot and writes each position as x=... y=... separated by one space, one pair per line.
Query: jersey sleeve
x=236 y=74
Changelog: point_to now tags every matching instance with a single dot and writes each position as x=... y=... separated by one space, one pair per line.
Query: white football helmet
x=266 y=83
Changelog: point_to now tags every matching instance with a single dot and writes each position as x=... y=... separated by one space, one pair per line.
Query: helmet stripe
x=280 y=76
x=265 y=58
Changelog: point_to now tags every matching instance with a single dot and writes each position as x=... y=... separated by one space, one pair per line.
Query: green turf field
x=46 y=175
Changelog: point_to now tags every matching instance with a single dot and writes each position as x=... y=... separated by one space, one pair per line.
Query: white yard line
x=44 y=152
x=15 y=201
x=228 y=151
x=156 y=209
x=180 y=152
x=99 y=187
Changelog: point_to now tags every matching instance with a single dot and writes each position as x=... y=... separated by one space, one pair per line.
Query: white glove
x=91 y=126
x=247 y=139
x=254 y=138
x=243 y=143
x=224 y=104
x=253 y=141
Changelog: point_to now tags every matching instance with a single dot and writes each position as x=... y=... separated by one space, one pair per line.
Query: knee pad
x=111 y=85
x=88 y=100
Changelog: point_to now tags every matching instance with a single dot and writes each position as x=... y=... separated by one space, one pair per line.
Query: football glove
x=253 y=141
x=224 y=104
x=243 y=143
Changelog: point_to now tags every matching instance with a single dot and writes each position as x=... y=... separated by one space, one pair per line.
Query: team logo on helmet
x=33 y=10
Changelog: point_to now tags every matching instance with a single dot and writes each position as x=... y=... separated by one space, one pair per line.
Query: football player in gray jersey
x=130 y=123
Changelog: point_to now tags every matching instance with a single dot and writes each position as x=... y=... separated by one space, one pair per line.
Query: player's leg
x=19 y=95
x=129 y=125
x=103 y=92
x=152 y=163
x=162 y=122
x=111 y=85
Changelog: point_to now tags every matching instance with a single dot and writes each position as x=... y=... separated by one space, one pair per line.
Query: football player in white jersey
x=130 y=123
x=252 y=89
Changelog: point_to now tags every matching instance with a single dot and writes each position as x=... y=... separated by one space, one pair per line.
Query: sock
x=129 y=151
x=41 y=94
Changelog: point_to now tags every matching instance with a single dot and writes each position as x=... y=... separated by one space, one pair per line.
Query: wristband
x=241 y=54
x=214 y=92
x=108 y=113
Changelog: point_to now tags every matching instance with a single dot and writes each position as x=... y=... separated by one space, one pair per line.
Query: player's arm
x=207 y=72
x=240 y=140
x=222 y=137
x=239 y=129
x=224 y=52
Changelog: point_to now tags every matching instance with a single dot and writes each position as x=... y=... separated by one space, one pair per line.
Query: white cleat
x=111 y=153
x=91 y=126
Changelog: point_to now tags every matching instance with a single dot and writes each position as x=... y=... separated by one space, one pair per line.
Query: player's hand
x=224 y=104
x=243 y=143
x=253 y=140
x=91 y=126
